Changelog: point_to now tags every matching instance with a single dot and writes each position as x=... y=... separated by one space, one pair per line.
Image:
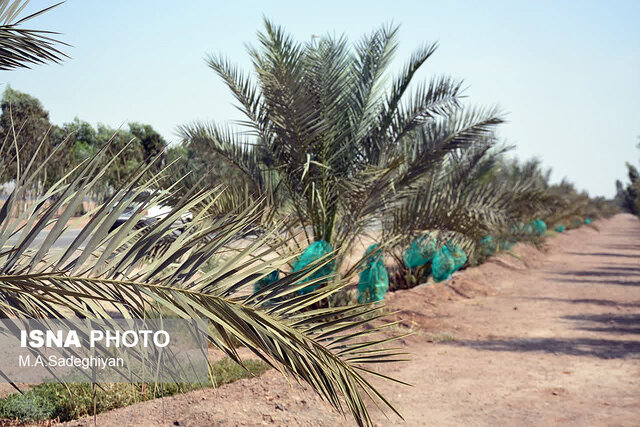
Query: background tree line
x=628 y=196
x=28 y=134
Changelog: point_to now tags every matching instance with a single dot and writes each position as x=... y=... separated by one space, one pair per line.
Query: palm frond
x=108 y=272
x=22 y=47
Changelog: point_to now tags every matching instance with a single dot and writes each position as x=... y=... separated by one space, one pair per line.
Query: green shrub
x=27 y=407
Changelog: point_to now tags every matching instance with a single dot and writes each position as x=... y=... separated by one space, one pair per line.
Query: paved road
x=63 y=241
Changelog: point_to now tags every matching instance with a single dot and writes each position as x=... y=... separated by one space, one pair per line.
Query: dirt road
x=555 y=341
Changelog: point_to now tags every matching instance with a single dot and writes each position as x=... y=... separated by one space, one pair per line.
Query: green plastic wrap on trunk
x=540 y=227
x=421 y=251
x=528 y=229
x=314 y=252
x=266 y=280
x=374 y=279
x=443 y=264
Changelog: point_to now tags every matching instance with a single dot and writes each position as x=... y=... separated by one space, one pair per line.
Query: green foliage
x=628 y=198
x=26 y=134
x=326 y=139
x=83 y=140
x=201 y=169
x=152 y=144
x=31 y=406
x=467 y=196
x=558 y=203
x=484 y=201
x=130 y=159
x=572 y=207
x=72 y=401
x=186 y=165
x=194 y=170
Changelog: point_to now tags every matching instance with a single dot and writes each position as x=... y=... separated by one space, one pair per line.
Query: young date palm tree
x=467 y=196
x=325 y=137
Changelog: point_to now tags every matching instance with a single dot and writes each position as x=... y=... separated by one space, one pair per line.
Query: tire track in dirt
x=546 y=339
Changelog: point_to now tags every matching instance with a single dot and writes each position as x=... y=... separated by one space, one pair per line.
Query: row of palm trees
x=339 y=145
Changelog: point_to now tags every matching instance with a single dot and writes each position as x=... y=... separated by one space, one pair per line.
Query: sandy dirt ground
x=540 y=339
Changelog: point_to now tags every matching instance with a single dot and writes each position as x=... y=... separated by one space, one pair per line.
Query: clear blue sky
x=567 y=72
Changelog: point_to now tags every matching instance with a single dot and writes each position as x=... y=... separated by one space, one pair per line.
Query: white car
x=151 y=213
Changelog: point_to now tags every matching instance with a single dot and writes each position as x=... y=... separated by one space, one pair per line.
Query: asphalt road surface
x=64 y=240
